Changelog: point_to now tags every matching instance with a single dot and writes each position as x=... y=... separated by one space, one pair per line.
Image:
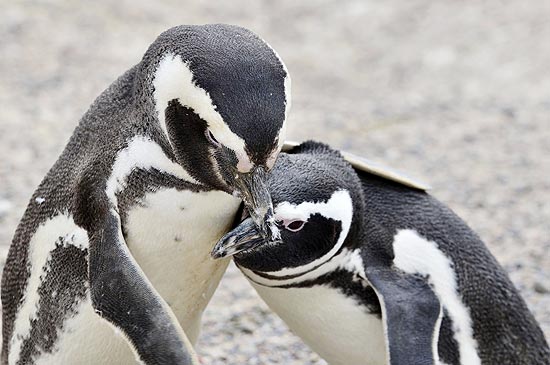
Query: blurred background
x=456 y=93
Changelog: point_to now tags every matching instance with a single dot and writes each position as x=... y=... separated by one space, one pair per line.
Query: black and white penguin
x=370 y=271
x=111 y=261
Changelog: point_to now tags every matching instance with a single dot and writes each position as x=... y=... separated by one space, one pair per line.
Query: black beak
x=257 y=200
x=243 y=237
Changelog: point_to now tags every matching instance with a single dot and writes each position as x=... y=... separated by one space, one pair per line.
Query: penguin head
x=221 y=97
x=318 y=204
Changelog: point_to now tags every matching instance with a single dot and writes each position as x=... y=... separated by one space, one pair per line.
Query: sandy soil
x=456 y=93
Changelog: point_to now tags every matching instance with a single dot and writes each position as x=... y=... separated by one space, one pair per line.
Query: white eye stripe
x=275 y=153
x=287 y=81
x=174 y=80
x=339 y=207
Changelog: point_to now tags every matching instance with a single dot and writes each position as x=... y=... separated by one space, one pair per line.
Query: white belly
x=87 y=339
x=333 y=325
x=170 y=235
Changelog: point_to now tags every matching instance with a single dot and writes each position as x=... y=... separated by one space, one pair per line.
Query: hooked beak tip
x=223 y=247
x=242 y=238
x=218 y=254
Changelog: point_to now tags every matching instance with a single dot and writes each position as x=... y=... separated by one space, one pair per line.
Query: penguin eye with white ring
x=212 y=139
x=293 y=225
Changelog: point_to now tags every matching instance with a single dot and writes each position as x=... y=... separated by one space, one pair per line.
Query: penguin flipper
x=122 y=295
x=411 y=313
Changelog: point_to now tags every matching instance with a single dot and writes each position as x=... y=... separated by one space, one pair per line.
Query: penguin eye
x=211 y=138
x=294 y=226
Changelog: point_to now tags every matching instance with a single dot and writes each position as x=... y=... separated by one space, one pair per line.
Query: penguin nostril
x=211 y=138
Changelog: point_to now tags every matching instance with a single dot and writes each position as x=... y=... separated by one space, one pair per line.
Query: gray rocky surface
x=454 y=92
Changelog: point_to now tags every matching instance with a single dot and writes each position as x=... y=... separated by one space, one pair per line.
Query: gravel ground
x=456 y=93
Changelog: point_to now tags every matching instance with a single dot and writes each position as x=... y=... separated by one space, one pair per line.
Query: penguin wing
x=363 y=164
x=122 y=295
x=411 y=313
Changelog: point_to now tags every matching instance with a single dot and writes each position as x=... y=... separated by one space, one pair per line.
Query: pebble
x=5 y=207
x=541 y=288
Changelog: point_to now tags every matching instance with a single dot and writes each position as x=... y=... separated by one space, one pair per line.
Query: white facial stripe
x=282 y=132
x=41 y=245
x=174 y=80
x=288 y=103
x=141 y=153
x=287 y=81
x=414 y=254
x=274 y=154
x=339 y=207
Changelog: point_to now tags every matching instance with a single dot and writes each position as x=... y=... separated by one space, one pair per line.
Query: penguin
x=110 y=263
x=371 y=269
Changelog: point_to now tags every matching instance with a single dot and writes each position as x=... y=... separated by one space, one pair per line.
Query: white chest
x=170 y=235
x=333 y=325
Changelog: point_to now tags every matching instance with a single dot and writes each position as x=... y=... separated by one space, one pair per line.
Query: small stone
x=3 y=256
x=5 y=207
x=541 y=288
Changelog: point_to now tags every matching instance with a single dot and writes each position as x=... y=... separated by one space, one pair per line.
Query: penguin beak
x=244 y=237
x=257 y=200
